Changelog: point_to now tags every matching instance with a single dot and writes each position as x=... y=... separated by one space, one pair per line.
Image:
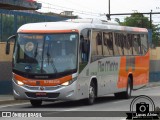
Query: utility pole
x=151 y=19
x=109 y=10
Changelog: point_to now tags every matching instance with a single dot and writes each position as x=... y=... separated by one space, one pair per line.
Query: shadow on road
x=79 y=103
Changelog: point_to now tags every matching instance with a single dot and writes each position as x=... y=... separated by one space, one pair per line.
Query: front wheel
x=92 y=94
x=36 y=103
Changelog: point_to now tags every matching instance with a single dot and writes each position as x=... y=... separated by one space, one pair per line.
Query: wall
x=155 y=64
x=5 y=69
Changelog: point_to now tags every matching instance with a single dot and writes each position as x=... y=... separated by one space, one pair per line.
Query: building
x=20 y=5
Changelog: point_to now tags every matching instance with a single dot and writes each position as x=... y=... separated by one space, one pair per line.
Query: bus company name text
x=107 y=66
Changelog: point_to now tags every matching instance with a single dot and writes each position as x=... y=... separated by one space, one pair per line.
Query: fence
x=11 y=20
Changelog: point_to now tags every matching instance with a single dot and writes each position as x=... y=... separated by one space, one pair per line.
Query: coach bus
x=78 y=59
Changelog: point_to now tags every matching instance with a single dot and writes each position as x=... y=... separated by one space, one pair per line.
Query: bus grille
x=45 y=95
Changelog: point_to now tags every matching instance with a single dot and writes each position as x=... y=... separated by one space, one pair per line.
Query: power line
x=80 y=12
x=65 y=8
x=82 y=6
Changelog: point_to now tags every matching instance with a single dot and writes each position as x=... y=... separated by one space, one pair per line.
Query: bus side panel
x=122 y=81
x=83 y=83
x=106 y=71
x=142 y=71
x=138 y=67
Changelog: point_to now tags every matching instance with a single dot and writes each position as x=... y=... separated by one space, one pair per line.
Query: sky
x=97 y=8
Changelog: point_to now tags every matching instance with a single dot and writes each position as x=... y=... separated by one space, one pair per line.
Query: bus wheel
x=127 y=93
x=36 y=103
x=92 y=94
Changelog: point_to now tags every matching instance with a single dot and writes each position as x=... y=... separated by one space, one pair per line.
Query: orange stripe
x=35 y=82
x=47 y=31
x=140 y=74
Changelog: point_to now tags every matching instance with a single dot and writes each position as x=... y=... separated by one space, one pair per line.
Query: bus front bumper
x=60 y=92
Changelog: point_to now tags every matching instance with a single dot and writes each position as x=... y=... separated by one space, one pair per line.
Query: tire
x=92 y=94
x=36 y=103
x=127 y=93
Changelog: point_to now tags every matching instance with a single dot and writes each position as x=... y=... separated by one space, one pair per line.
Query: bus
x=78 y=59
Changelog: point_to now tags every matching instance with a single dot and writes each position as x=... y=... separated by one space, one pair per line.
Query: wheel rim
x=91 y=93
x=129 y=89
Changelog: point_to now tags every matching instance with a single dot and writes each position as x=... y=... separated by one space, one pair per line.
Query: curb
x=3 y=102
x=153 y=84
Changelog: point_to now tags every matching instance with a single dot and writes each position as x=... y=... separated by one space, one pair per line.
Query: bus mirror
x=8 y=43
x=7 y=48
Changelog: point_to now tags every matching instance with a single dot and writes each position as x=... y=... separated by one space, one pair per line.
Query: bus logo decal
x=107 y=66
x=41 y=88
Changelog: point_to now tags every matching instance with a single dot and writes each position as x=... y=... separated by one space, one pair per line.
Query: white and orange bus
x=78 y=59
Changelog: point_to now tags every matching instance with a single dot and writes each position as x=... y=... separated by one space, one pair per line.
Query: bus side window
x=144 y=43
x=84 y=49
x=99 y=43
x=96 y=45
x=118 y=44
x=107 y=44
x=127 y=44
x=136 y=45
x=85 y=46
x=130 y=39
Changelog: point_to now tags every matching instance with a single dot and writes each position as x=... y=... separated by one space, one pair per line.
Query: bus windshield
x=46 y=53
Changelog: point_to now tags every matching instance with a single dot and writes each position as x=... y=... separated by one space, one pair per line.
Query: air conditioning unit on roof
x=92 y=20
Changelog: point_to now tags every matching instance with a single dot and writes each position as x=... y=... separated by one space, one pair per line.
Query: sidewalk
x=153 y=84
x=8 y=99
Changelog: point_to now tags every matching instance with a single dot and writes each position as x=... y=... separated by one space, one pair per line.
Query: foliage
x=137 y=20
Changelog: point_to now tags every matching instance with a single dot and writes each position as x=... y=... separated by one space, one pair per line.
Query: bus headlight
x=69 y=82
x=20 y=83
x=17 y=81
x=65 y=83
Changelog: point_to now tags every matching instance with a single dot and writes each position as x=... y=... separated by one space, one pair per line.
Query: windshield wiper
x=48 y=57
x=35 y=53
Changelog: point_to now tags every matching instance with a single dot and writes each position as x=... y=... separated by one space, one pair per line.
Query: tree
x=139 y=20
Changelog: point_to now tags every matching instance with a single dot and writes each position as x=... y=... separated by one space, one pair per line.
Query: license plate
x=41 y=94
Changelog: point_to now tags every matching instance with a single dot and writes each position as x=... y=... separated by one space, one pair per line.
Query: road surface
x=103 y=104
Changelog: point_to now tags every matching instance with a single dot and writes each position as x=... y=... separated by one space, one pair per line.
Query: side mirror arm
x=8 y=44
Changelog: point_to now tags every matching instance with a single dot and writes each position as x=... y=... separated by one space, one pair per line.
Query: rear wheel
x=36 y=103
x=92 y=94
x=127 y=93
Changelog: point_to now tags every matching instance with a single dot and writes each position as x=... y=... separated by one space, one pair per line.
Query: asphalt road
x=108 y=103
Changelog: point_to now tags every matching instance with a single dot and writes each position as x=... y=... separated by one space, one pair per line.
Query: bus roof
x=75 y=24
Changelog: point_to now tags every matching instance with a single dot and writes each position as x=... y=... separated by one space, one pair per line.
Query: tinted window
x=136 y=45
x=127 y=45
x=84 y=48
x=118 y=44
x=107 y=44
x=144 y=43
x=96 y=45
